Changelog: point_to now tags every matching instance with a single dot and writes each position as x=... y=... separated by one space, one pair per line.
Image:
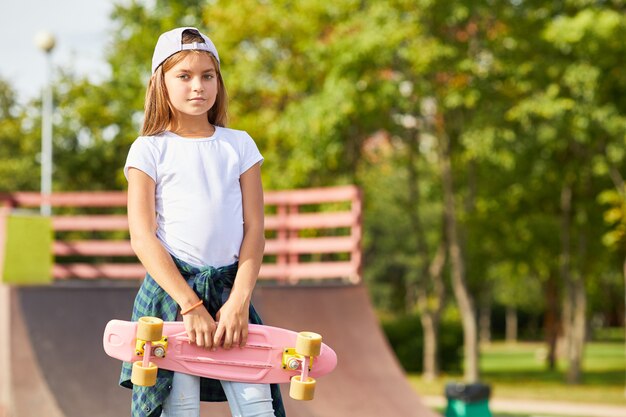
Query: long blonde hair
x=157 y=109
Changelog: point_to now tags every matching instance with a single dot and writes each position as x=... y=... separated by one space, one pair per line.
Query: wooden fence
x=311 y=234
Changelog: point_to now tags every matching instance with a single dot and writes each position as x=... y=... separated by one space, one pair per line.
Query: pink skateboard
x=271 y=355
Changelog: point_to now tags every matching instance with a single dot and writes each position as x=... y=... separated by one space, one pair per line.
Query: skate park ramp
x=55 y=365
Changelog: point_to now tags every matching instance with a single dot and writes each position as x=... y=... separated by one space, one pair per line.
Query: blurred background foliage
x=529 y=94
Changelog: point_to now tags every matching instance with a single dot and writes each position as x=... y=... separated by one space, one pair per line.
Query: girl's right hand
x=200 y=327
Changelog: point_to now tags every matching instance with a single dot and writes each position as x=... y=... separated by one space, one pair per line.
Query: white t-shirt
x=199 y=209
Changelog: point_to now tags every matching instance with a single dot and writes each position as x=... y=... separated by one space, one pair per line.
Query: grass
x=518 y=372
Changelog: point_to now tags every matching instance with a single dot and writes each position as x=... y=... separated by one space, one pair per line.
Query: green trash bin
x=468 y=400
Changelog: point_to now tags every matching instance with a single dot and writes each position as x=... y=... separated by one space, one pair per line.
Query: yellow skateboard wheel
x=303 y=391
x=308 y=344
x=150 y=329
x=142 y=376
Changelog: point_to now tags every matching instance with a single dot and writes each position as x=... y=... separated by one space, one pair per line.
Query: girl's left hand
x=232 y=327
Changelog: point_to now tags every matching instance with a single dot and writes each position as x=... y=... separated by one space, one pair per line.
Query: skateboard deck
x=271 y=354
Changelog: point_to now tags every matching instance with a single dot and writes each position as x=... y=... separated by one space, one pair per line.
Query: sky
x=81 y=31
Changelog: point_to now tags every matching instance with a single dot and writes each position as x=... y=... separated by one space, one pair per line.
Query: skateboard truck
x=293 y=361
x=157 y=348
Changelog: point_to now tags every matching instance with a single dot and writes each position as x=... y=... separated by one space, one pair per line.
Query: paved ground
x=542 y=408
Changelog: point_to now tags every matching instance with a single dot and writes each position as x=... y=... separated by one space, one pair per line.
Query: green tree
x=19 y=141
x=570 y=112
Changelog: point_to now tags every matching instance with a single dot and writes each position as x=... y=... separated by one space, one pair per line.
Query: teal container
x=468 y=400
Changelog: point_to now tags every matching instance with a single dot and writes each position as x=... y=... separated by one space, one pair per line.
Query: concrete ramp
x=53 y=364
x=57 y=365
x=368 y=381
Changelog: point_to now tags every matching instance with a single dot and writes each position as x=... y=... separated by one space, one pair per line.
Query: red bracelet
x=198 y=304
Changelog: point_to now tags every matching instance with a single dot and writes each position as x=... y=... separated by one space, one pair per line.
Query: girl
x=195 y=214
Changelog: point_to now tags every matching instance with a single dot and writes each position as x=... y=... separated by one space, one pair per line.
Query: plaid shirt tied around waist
x=213 y=286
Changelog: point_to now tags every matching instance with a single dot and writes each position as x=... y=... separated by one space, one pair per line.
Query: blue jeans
x=244 y=400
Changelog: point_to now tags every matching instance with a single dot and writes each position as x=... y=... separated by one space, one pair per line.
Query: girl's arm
x=234 y=314
x=199 y=324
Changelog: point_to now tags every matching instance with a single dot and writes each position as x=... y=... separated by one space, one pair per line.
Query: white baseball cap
x=171 y=42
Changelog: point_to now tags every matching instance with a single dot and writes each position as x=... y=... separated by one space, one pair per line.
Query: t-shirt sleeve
x=142 y=155
x=250 y=154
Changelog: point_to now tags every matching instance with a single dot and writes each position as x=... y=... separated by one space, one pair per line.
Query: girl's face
x=192 y=86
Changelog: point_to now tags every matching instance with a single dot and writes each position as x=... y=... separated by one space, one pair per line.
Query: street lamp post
x=46 y=42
